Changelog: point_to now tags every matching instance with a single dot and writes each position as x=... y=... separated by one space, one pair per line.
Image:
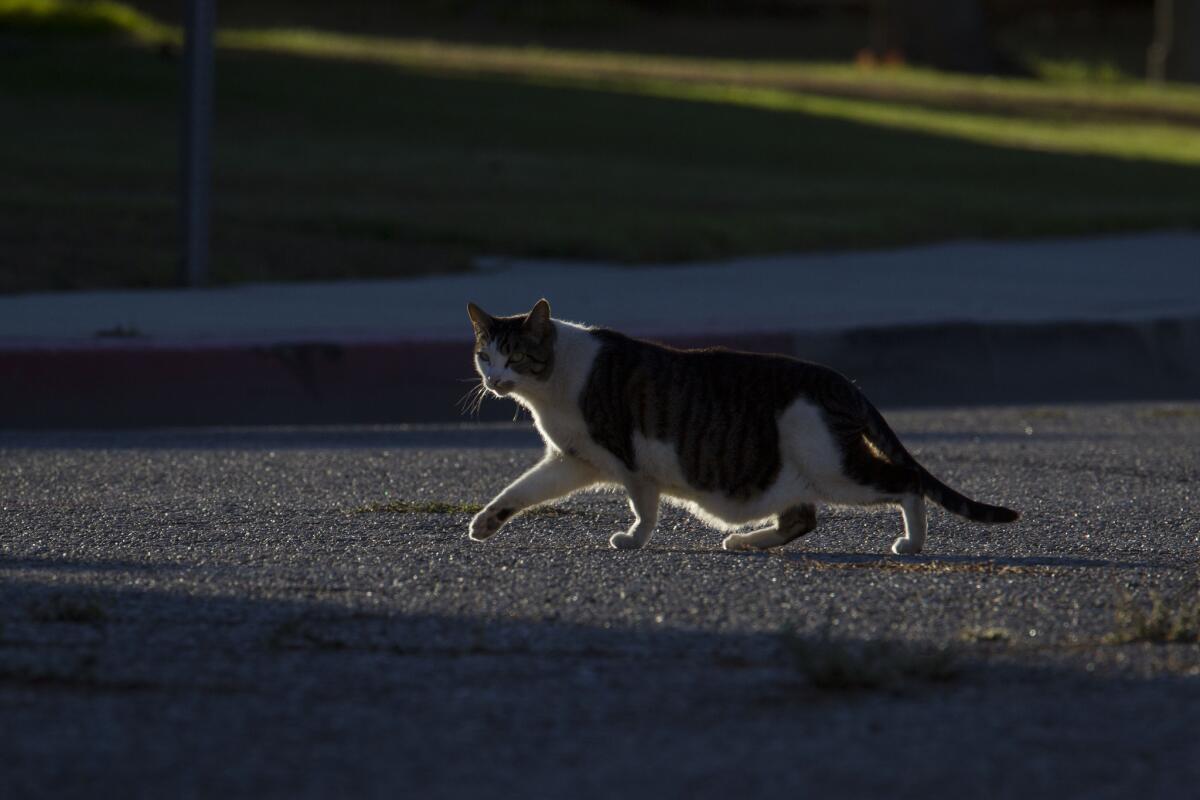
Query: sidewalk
x=1116 y=318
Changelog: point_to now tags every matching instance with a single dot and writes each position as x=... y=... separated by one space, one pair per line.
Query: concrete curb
x=140 y=384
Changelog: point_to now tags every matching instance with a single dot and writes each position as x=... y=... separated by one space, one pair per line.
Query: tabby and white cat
x=737 y=438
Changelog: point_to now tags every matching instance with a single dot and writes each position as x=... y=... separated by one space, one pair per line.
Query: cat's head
x=515 y=352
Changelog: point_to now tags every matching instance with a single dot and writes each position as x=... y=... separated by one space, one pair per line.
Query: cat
x=737 y=438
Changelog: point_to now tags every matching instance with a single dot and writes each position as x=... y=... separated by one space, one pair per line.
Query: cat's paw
x=905 y=547
x=735 y=542
x=487 y=522
x=623 y=540
x=754 y=540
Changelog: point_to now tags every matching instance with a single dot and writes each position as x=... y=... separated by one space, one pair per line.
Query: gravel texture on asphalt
x=299 y=613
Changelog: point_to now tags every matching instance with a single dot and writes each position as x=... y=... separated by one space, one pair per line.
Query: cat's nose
x=497 y=385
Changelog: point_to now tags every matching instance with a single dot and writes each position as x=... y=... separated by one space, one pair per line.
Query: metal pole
x=197 y=136
x=1164 y=37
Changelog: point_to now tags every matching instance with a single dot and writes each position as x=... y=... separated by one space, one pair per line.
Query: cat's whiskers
x=471 y=402
x=461 y=403
x=480 y=396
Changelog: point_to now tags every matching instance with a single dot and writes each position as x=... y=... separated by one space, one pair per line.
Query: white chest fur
x=555 y=406
x=565 y=429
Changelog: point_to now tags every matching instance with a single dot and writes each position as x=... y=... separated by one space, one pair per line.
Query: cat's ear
x=538 y=319
x=481 y=321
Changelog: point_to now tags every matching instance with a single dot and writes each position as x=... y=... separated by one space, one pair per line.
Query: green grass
x=1112 y=94
x=350 y=156
x=81 y=17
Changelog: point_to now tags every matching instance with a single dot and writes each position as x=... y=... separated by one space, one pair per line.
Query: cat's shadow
x=868 y=560
x=931 y=562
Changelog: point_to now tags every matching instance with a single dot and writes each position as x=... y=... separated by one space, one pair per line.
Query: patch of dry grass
x=443 y=507
x=986 y=635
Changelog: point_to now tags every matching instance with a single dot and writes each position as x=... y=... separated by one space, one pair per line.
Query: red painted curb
x=140 y=384
x=253 y=384
x=136 y=384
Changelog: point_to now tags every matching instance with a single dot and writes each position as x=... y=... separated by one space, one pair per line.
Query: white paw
x=905 y=547
x=487 y=522
x=625 y=541
x=736 y=541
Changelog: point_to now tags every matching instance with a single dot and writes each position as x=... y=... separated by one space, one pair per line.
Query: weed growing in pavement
x=1168 y=619
x=848 y=665
x=991 y=635
x=61 y=608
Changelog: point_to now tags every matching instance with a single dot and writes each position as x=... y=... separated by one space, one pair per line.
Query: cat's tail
x=958 y=503
x=883 y=437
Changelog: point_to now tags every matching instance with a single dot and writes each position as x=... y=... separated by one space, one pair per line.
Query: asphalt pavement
x=298 y=612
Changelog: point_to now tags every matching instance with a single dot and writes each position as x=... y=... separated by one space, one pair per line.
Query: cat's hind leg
x=791 y=524
x=915 y=526
x=644 y=498
x=554 y=476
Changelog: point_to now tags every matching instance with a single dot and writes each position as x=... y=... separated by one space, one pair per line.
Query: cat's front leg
x=915 y=526
x=643 y=499
x=554 y=476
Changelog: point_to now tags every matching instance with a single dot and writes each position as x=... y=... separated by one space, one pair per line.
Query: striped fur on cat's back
x=737 y=438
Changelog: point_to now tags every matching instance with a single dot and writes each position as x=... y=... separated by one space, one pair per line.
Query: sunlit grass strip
x=905 y=83
x=906 y=99
x=76 y=16
x=1152 y=140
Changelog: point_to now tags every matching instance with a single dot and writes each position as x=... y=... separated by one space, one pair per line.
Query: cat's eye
x=484 y=356
x=516 y=358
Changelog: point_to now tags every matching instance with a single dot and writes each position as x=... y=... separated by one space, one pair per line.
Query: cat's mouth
x=500 y=388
